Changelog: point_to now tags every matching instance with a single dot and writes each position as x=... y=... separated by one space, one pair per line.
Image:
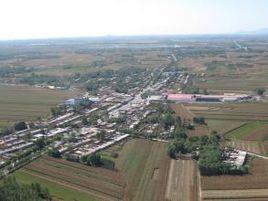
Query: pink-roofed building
x=181 y=97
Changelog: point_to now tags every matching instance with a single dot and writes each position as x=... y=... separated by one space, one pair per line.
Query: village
x=87 y=124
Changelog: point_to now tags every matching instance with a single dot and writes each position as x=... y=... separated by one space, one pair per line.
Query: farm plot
x=198 y=130
x=182 y=181
x=239 y=111
x=223 y=126
x=27 y=103
x=101 y=184
x=182 y=111
x=145 y=166
x=250 y=146
x=259 y=135
x=244 y=131
x=253 y=186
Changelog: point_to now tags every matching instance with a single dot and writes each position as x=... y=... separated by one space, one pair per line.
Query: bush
x=54 y=153
x=20 y=126
x=260 y=91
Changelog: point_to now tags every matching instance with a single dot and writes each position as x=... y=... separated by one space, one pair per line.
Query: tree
x=55 y=111
x=54 y=153
x=20 y=126
x=85 y=121
x=199 y=120
x=94 y=159
x=172 y=150
x=260 y=91
x=40 y=143
x=84 y=159
x=168 y=120
x=101 y=135
x=11 y=190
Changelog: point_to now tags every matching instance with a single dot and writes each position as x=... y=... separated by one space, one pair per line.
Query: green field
x=223 y=126
x=27 y=103
x=253 y=111
x=145 y=166
x=59 y=192
x=245 y=130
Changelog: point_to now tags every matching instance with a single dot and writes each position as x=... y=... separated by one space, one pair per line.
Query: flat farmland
x=144 y=165
x=26 y=103
x=239 y=112
x=246 y=130
x=250 y=146
x=183 y=112
x=247 y=81
x=259 y=135
x=92 y=183
x=253 y=186
x=182 y=181
x=198 y=130
x=223 y=126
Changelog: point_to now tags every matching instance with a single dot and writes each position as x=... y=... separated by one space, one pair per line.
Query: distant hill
x=263 y=31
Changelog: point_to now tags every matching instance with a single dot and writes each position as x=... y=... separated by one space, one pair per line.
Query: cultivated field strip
x=259 y=134
x=241 y=111
x=225 y=116
x=182 y=111
x=106 y=175
x=99 y=184
x=26 y=103
x=145 y=165
x=182 y=181
x=154 y=176
x=250 y=194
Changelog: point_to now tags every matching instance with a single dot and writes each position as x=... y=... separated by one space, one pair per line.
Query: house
x=77 y=101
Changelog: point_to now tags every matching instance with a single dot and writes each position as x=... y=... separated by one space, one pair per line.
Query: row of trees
x=11 y=190
x=97 y=160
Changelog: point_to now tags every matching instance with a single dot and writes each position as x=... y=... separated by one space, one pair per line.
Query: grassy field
x=26 y=103
x=223 y=126
x=240 y=112
x=182 y=181
x=245 y=130
x=145 y=166
x=247 y=187
x=91 y=183
x=259 y=134
x=57 y=190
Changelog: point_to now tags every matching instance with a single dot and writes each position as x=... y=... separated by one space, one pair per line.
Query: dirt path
x=199 y=189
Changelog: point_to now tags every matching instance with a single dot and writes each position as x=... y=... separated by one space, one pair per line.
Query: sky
x=25 y=19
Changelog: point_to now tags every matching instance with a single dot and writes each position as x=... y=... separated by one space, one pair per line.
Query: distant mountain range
x=263 y=31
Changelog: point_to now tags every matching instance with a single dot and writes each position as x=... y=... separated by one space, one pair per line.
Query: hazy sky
x=64 y=18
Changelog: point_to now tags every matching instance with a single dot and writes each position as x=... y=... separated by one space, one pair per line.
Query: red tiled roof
x=181 y=97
